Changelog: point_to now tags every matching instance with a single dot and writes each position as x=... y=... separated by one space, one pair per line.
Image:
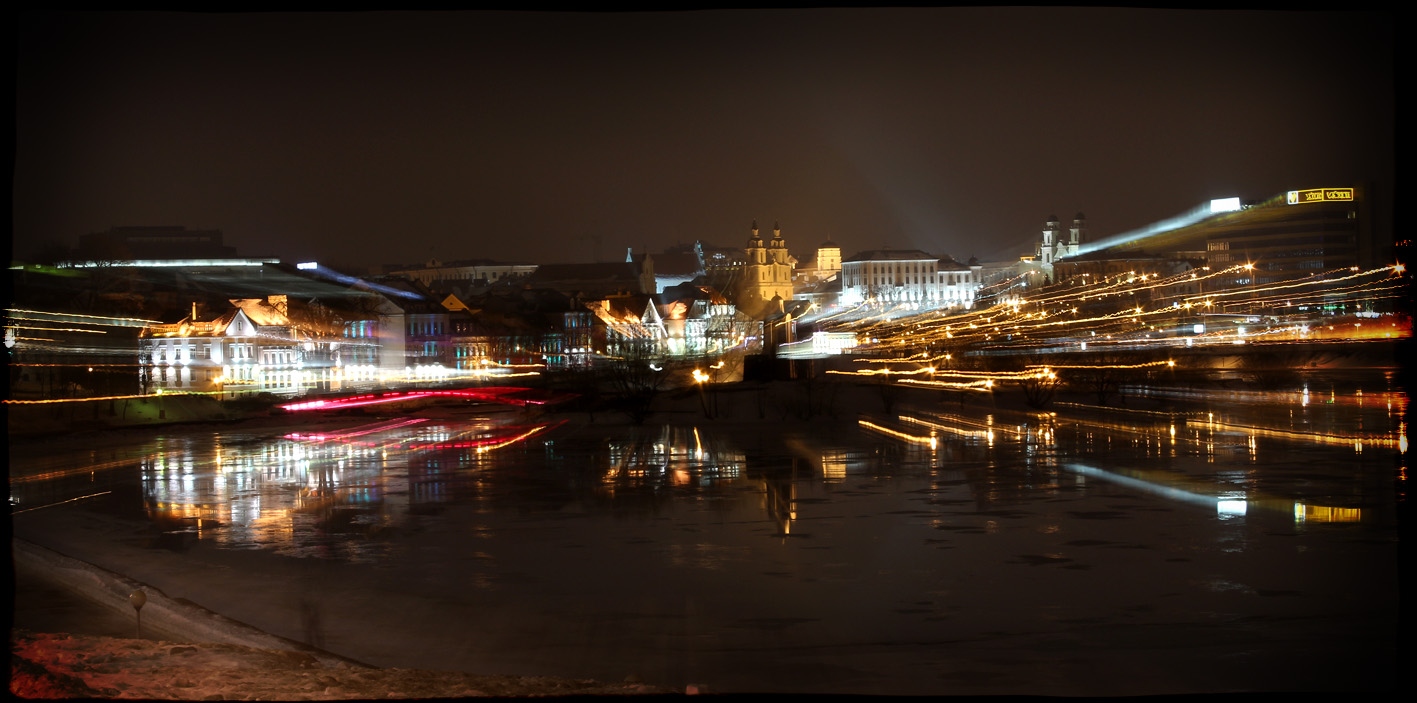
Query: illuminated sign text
x=1319 y=195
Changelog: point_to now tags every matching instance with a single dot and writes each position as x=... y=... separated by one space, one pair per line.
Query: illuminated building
x=711 y=327
x=821 y=296
x=632 y=324
x=250 y=348
x=1294 y=235
x=503 y=333
x=1054 y=246
x=675 y=328
x=825 y=266
x=413 y=331
x=891 y=277
x=1289 y=236
x=574 y=347
x=767 y=274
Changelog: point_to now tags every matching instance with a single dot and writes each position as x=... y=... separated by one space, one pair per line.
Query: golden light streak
x=1149 y=364
x=914 y=439
x=981 y=386
x=1355 y=440
x=519 y=438
x=1019 y=321
x=106 y=397
x=22 y=314
x=55 y=329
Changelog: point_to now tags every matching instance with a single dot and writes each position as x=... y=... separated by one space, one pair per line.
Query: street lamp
x=138 y=599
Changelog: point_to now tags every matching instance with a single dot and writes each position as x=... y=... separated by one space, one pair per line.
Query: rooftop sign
x=1320 y=195
x=1225 y=205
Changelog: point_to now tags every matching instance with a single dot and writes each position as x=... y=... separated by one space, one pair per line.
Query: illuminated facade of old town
x=1299 y=267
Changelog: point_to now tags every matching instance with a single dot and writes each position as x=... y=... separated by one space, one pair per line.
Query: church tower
x=1047 y=250
x=777 y=249
x=767 y=274
x=828 y=258
x=757 y=255
x=1077 y=235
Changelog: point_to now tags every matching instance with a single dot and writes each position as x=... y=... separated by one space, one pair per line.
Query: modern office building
x=1295 y=235
x=1292 y=235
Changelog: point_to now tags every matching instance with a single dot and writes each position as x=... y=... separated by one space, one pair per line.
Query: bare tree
x=1039 y=387
x=637 y=376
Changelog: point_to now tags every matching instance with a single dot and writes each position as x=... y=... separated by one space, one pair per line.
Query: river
x=1185 y=542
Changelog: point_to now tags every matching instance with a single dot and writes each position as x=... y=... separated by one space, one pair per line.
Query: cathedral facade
x=1054 y=245
x=767 y=274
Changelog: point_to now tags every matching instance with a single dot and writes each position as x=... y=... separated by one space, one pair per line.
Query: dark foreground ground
x=66 y=644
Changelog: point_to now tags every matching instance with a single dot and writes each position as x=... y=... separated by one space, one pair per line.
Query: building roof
x=892 y=255
x=261 y=313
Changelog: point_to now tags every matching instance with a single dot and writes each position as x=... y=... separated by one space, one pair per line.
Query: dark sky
x=368 y=138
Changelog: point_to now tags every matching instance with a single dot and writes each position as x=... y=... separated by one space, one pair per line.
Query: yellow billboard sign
x=1320 y=195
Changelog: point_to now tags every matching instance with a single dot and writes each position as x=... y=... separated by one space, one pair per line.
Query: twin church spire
x=767 y=273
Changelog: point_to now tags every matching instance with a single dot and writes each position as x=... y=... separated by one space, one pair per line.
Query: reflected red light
x=506 y=395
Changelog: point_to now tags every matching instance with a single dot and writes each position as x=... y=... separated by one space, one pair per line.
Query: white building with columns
x=909 y=276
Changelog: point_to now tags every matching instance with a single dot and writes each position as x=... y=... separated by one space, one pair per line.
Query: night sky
x=360 y=139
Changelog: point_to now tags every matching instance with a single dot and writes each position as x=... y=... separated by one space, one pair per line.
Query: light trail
x=62 y=502
x=931 y=442
x=1156 y=313
x=1357 y=441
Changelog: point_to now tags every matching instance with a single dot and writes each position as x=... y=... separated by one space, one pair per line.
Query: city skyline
x=369 y=138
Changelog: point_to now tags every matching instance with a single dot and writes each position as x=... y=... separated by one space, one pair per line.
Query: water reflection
x=342 y=493
x=897 y=544
x=669 y=457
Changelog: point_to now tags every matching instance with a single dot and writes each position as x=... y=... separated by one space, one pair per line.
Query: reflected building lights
x=350 y=481
x=1320 y=513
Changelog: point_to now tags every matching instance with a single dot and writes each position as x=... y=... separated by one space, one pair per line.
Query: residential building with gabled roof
x=250 y=348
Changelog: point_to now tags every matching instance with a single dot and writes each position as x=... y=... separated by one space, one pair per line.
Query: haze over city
x=369 y=138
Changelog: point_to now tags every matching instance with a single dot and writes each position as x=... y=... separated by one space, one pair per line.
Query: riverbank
x=180 y=651
x=48 y=418
x=60 y=666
